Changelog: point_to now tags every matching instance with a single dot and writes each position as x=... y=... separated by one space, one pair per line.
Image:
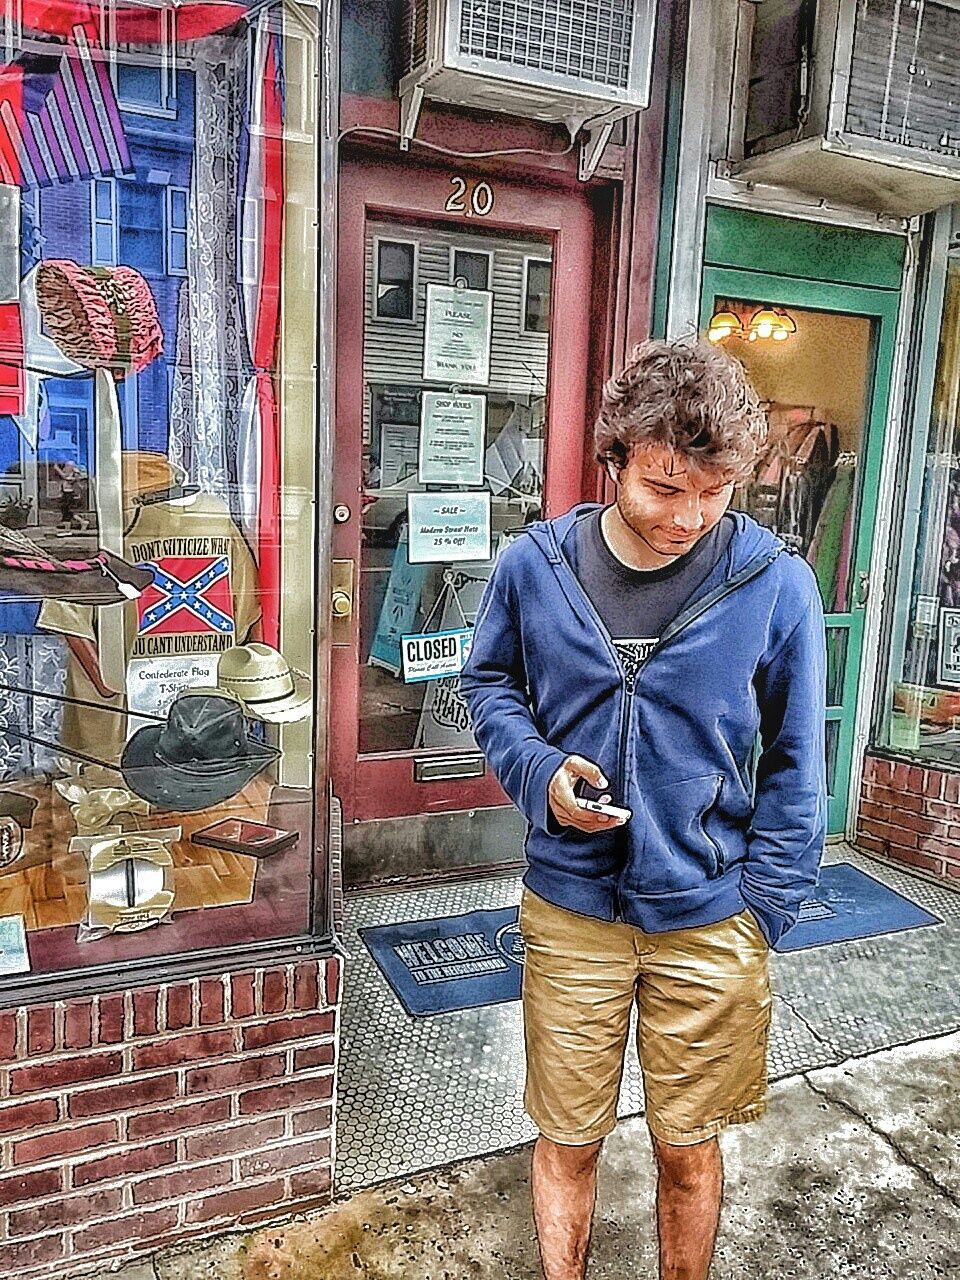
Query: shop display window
x=922 y=706
x=158 y=180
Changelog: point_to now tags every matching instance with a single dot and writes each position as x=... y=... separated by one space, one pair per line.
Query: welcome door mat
x=848 y=904
x=463 y=962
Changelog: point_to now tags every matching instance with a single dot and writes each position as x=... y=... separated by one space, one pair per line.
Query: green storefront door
x=832 y=294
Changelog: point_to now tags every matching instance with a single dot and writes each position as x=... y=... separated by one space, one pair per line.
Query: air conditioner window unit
x=851 y=99
x=582 y=63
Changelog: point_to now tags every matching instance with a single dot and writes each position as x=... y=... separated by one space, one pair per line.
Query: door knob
x=341 y=604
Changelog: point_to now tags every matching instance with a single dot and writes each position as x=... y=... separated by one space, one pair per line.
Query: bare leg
x=689 y=1191
x=564 y=1193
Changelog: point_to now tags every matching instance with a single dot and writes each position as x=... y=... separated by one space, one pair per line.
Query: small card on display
x=14 y=957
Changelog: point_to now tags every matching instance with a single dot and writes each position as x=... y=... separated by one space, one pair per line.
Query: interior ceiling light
x=771 y=322
x=724 y=324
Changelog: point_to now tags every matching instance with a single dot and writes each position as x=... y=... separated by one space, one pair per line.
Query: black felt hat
x=200 y=757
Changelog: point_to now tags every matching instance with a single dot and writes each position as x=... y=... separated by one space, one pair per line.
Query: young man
x=641 y=648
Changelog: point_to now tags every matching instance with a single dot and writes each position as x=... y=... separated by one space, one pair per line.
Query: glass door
x=461 y=419
x=819 y=356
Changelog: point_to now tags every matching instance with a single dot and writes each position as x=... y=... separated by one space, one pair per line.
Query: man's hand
x=563 y=801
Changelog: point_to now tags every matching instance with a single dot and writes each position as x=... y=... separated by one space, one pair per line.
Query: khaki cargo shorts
x=703 y=1000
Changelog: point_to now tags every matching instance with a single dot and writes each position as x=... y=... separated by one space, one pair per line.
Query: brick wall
x=133 y=1120
x=911 y=813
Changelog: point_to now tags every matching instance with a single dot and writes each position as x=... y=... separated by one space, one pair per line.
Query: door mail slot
x=433 y=770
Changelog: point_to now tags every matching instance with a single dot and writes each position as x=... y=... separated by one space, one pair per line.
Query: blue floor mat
x=465 y=961
x=847 y=904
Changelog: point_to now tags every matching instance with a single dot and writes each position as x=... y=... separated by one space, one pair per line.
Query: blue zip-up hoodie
x=745 y=655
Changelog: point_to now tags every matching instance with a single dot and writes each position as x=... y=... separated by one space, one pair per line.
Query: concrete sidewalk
x=854 y=1173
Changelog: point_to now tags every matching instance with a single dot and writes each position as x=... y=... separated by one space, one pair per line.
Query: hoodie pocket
x=678 y=849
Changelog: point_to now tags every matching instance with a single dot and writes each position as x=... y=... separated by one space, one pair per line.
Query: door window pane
x=536 y=299
x=472 y=268
x=395 y=272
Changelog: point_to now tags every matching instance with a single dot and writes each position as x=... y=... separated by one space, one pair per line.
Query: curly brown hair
x=690 y=396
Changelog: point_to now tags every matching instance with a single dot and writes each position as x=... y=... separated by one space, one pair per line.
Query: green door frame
x=881 y=306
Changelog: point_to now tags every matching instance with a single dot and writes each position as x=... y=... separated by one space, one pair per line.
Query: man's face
x=668 y=503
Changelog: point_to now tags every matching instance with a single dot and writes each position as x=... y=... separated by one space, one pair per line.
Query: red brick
x=312 y=1120
x=885 y=831
x=916 y=779
x=211 y=1001
x=123 y=1097
x=236 y=1202
x=878 y=812
x=939 y=809
x=291 y=1155
x=305 y=993
x=875 y=767
x=333 y=978
x=230 y=1075
x=111 y=1019
x=868 y=842
x=933 y=786
x=30 y=1186
x=40 y=1037
x=274 y=991
x=53 y=1075
x=287 y=1094
x=242 y=1137
x=243 y=999
x=187 y=1048
x=179 y=1006
x=145 y=1012
x=17 y=1256
x=953 y=869
x=141 y=1227
x=24 y=1116
x=8 y=1035
x=263 y=1034
x=124 y=1163
x=318 y=1055
x=68 y=1211
x=940 y=848
x=64 y=1141
x=951 y=788
x=901 y=776
x=309 y=1184
x=153 y=1124
x=897 y=801
x=78 y=1025
x=182 y=1183
x=922 y=823
x=925 y=861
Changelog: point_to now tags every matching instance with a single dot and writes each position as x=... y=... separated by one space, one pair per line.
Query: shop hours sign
x=456 y=344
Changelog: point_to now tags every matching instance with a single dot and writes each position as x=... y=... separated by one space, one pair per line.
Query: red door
x=464 y=310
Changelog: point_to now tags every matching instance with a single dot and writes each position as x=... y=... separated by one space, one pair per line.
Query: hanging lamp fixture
x=724 y=323
x=771 y=322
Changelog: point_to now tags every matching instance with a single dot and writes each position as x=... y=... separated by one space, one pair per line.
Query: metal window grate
x=583 y=39
x=904 y=76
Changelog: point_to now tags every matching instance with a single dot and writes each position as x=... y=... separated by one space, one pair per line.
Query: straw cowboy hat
x=265 y=683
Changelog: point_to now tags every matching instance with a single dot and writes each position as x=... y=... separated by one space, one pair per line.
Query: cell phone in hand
x=588 y=798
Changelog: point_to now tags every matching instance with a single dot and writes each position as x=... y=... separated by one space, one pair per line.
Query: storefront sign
x=398 y=611
x=452 y=433
x=435 y=654
x=948 y=651
x=448 y=527
x=456 y=345
x=13 y=945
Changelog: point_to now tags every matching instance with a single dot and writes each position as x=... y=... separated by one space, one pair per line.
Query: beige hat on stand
x=265 y=683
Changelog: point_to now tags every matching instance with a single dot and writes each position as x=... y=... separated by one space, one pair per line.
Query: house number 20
x=469 y=198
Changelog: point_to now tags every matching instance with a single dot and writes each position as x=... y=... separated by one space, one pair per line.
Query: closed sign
x=434 y=655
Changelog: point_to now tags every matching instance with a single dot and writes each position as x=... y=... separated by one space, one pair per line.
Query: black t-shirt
x=636 y=605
